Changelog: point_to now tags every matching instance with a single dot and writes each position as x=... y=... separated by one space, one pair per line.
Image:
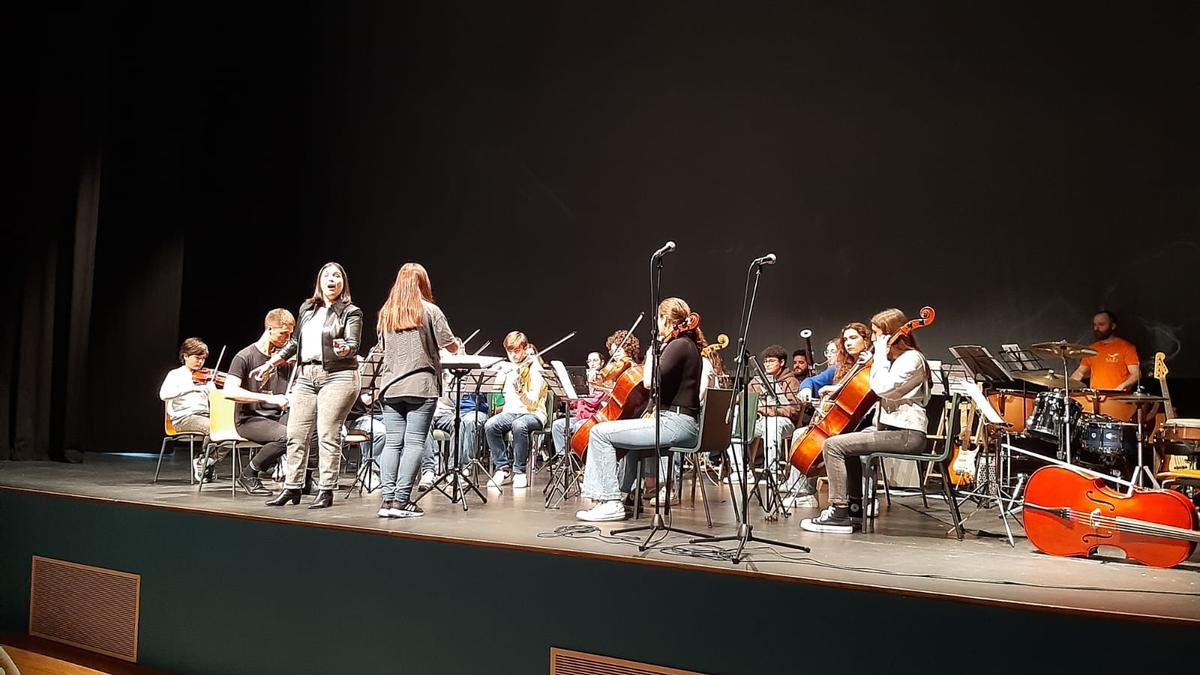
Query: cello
x=1069 y=512
x=847 y=407
x=628 y=397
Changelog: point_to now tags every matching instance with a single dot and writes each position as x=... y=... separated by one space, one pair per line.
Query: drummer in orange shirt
x=1114 y=367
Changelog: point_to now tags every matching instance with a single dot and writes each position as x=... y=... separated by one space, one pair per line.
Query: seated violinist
x=524 y=411
x=185 y=393
x=600 y=380
x=261 y=414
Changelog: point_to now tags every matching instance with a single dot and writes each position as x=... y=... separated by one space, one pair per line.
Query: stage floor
x=911 y=551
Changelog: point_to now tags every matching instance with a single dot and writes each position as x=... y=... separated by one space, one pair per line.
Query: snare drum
x=1050 y=410
x=1107 y=441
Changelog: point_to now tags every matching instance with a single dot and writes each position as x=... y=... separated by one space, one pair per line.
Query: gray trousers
x=321 y=401
x=843 y=453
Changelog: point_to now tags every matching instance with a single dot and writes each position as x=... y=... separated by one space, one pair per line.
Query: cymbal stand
x=1141 y=468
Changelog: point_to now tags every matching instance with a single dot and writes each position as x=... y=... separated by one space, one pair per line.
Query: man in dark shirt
x=262 y=405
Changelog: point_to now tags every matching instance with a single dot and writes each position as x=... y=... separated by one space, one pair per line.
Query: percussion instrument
x=1106 y=441
x=1048 y=379
x=1051 y=410
x=1062 y=349
x=1179 y=436
x=1014 y=406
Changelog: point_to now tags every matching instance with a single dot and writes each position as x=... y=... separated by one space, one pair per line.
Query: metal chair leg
x=161 y=450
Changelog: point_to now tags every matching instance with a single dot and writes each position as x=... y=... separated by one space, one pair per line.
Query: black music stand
x=771 y=506
x=371 y=367
x=564 y=477
x=451 y=482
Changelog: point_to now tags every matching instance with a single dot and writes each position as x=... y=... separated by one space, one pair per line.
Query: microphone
x=666 y=248
x=768 y=259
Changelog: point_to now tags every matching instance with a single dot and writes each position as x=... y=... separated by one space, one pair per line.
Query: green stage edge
x=228 y=595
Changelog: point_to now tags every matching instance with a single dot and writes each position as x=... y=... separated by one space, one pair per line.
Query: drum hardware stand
x=1141 y=468
x=741 y=387
x=452 y=474
x=661 y=520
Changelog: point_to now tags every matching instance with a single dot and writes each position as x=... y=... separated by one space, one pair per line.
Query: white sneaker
x=801 y=501
x=662 y=496
x=426 y=481
x=498 y=479
x=198 y=469
x=520 y=480
x=603 y=511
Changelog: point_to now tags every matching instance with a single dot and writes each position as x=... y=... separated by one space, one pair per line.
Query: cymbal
x=1135 y=397
x=1062 y=348
x=1049 y=379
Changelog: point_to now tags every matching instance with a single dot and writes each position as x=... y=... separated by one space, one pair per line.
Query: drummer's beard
x=1102 y=335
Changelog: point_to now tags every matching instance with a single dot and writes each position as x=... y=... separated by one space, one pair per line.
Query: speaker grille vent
x=567 y=662
x=88 y=607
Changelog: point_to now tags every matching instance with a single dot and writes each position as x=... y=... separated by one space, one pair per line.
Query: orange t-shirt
x=1110 y=365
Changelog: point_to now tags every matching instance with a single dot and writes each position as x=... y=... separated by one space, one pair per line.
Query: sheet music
x=564 y=379
x=981 y=403
x=468 y=361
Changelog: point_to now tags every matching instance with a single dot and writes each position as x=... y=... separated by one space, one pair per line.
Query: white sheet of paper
x=564 y=379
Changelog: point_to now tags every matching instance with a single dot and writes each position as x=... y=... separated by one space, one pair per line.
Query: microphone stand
x=741 y=385
x=658 y=523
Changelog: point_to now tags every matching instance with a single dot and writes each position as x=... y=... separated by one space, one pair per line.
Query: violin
x=846 y=407
x=1069 y=512
x=205 y=376
x=628 y=398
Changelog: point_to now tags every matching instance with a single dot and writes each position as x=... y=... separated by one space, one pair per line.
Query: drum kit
x=1068 y=418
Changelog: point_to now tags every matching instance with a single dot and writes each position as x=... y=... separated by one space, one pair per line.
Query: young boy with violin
x=262 y=404
x=523 y=413
x=185 y=392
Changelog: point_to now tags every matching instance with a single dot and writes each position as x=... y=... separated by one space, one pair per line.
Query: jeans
x=271 y=433
x=470 y=435
x=842 y=455
x=407 y=420
x=320 y=401
x=521 y=427
x=373 y=426
x=600 y=481
x=558 y=429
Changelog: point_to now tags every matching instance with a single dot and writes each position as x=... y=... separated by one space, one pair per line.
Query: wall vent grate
x=87 y=607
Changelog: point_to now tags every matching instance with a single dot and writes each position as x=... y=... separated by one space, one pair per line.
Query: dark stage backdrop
x=1016 y=166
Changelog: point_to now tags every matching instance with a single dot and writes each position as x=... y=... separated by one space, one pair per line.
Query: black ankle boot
x=287 y=496
x=324 y=500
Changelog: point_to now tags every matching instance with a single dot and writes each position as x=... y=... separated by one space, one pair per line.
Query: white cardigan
x=902 y=388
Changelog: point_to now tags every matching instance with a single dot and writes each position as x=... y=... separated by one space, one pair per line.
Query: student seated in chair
x=262 y=404
x=523 y=413
x=185 y=392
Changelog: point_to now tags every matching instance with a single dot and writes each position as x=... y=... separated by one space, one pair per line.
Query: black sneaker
x=252 y=485
x=834 y=520
x=405 y=510
x=385 y=509
x=210 y=474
